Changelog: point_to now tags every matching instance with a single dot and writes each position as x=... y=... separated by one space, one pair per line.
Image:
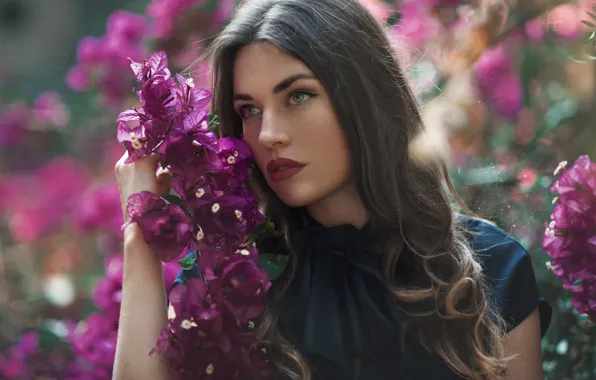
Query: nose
x=273 y=132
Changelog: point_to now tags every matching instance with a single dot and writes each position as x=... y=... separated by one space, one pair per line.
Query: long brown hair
x=409 y=204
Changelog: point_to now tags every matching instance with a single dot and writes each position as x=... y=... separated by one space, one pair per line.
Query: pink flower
x=213 y=212
x=243 y=284
x=78 y=79
x=165 y=226
x=165 y=13
x=415 y=25
x=527 y=178
x=13 y=124
x=224 y=10
x=101 y=60
x=201 y=340
x=126 y=24
x=507 y=96
x=534 y=30
x=378 y=8
x=224 y=222
x=171 y=270
x=497 y=82
x=89 y=51
x=29 y=224
x=493 y=63
x=94 y=343
x=49 y=109
x=564 y=20
x=52 y=196
x=100 y=209
x=570 y=237
x=108 y=292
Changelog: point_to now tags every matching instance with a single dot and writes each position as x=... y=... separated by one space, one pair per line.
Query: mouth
x=283 y=168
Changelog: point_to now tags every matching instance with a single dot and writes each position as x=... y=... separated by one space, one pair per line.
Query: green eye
x=299 y=97
x=248 y=111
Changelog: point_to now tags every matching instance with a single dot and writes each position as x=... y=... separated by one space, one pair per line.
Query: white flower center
x=187 y=325
x=215 y=208
x=171 y=312
x=200 y=192
x=238 y=214
x=562 y=165
x=231 y=160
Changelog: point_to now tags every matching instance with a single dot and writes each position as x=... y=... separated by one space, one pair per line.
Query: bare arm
x=524 y=342
x=143 y=312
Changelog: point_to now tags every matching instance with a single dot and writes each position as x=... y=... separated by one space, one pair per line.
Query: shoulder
x=497 y=250
x=508 y=271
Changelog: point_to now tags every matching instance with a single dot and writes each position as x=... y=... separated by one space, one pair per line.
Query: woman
x=385 y=281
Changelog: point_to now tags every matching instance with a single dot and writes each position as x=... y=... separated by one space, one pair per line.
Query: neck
x=340 y=208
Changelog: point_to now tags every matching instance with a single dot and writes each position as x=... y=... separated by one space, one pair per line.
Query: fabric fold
x=339 y=309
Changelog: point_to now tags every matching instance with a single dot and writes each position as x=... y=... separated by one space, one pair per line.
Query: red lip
x=290 y=168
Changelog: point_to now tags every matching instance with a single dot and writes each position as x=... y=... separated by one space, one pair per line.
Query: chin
x=294 y=200
x=296 y=195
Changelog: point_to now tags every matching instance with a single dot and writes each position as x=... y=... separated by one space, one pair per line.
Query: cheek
x=324 y=137
x=251 y=137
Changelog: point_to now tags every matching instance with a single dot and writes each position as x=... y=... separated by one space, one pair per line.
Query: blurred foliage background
x=506 y=88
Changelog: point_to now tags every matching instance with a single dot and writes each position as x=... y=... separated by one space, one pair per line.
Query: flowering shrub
x=570 y=237
x=503 y=105
x=102 y=61
x=209 y=329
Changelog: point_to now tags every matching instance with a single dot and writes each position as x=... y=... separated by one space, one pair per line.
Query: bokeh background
x=506 y=90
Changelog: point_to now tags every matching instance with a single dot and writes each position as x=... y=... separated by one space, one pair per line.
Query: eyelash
x=241 y=109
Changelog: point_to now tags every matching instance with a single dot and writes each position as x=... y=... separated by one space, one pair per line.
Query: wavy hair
x=412 y=205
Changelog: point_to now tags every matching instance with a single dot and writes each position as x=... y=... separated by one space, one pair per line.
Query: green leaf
x=170 y=198
x=591 y=15
x=186 y=263
x=589 y=24
x=213 y=122
x=273 y=264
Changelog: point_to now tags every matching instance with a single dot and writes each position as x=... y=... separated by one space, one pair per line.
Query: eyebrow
x=284 y=84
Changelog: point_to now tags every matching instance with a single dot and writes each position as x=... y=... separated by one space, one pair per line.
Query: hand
x=141 y=175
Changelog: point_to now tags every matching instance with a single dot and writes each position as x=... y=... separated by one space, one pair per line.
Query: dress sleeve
x=518 y=293
x=510 y=276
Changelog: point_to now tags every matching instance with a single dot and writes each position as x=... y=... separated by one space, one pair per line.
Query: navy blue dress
x=337 y=308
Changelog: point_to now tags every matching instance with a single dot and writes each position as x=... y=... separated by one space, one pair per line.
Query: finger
x=164 y=180
x=164 y=175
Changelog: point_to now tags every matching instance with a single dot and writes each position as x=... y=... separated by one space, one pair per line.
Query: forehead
x=263 y=65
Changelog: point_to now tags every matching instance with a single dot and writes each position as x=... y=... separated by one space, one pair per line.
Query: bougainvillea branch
x=570 y=237
x=210 y=330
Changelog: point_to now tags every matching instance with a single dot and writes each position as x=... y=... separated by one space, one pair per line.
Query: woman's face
x=290 y=125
